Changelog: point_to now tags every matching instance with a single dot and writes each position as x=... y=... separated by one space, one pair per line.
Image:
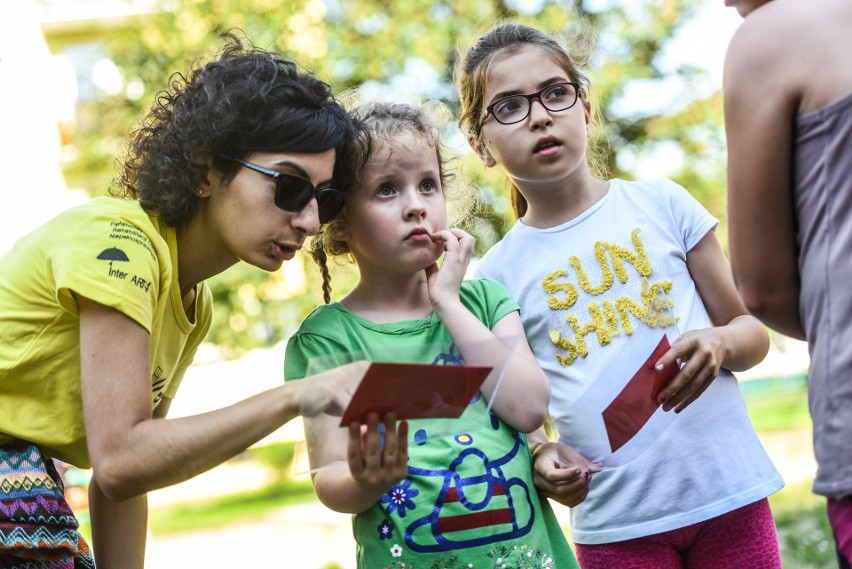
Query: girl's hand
x=701 y=354
x=444 y=282
x=562 y=474
x=377 y=459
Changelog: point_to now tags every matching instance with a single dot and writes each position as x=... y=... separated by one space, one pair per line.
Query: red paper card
x=633 y=407
x=414 y=391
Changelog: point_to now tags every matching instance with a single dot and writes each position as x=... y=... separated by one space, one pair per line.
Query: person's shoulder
x=489 y=257
x=321 y=318
x=672 y=192
x=489 y=299
x=772 y=17
x=102 y=208
x=112 y=226
x=763 y=37
x=660 y=195
x=644 y=189
x=112 y=212
x=106 y=206
x=495 y=257
x=483 y=286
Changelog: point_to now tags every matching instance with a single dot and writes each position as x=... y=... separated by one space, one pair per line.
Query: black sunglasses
x=294 y=193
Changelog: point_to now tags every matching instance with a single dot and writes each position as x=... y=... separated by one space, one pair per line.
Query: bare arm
x=761 y=101
x=119 y=529
x=737 y=341
x=525 y=391
x=351 y=469
x=133 y=452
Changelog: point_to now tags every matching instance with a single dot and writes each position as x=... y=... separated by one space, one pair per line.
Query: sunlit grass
x=786 y=411
x=220 y=512
x=778 y=404
x=781 y=405
x=803 y=530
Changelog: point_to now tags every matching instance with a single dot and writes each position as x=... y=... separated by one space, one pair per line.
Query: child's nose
x=415 y=207
x=539 y=115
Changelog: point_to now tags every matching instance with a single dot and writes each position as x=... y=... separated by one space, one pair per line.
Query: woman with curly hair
x=103 y=307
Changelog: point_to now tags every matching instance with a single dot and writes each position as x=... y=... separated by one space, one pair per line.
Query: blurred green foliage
x=219 y=512
x=277 y=458
x=404 y=48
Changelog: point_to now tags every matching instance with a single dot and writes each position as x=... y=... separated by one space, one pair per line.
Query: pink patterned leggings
x=744 y=538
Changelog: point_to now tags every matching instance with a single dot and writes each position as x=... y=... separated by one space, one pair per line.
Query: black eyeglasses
x=515 y=108
x=294 y=193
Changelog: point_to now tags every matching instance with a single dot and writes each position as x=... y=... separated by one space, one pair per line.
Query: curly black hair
x=245 y=100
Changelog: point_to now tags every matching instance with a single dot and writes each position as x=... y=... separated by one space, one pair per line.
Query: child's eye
x=384 y=190
x=557 y=93
x=507 y=106
x=428 y=186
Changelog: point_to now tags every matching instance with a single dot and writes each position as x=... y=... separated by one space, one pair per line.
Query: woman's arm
x=737 y=341
x=761 y=102
x=524 y=393
x=119 y=529
x=133 y=452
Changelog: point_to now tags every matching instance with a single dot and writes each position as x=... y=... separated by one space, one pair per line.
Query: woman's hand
x=329 y=392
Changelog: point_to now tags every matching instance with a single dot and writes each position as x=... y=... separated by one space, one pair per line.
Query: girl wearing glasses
x=586 y=260
x=102 y=308
x=447 y=493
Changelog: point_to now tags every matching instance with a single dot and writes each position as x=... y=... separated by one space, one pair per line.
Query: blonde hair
x=383 y=121
x=474 y=65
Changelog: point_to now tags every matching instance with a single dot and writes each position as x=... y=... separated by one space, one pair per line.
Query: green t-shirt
x=111 y=251
x=469 y=499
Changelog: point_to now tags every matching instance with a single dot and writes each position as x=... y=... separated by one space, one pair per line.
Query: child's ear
x=587 y=112
x=481 y=151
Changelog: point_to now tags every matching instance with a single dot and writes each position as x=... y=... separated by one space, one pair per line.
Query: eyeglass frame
x=489 y=110
x=279 y=177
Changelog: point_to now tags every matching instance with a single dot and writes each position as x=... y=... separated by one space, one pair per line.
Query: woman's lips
x=283 y=251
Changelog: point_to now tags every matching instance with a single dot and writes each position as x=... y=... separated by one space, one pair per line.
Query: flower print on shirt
x=385 y=529
x=399 y=498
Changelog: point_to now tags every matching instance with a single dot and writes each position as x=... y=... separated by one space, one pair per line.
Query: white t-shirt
x=597 y=294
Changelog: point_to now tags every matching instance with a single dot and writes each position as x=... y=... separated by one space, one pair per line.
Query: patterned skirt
x=38 y=530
